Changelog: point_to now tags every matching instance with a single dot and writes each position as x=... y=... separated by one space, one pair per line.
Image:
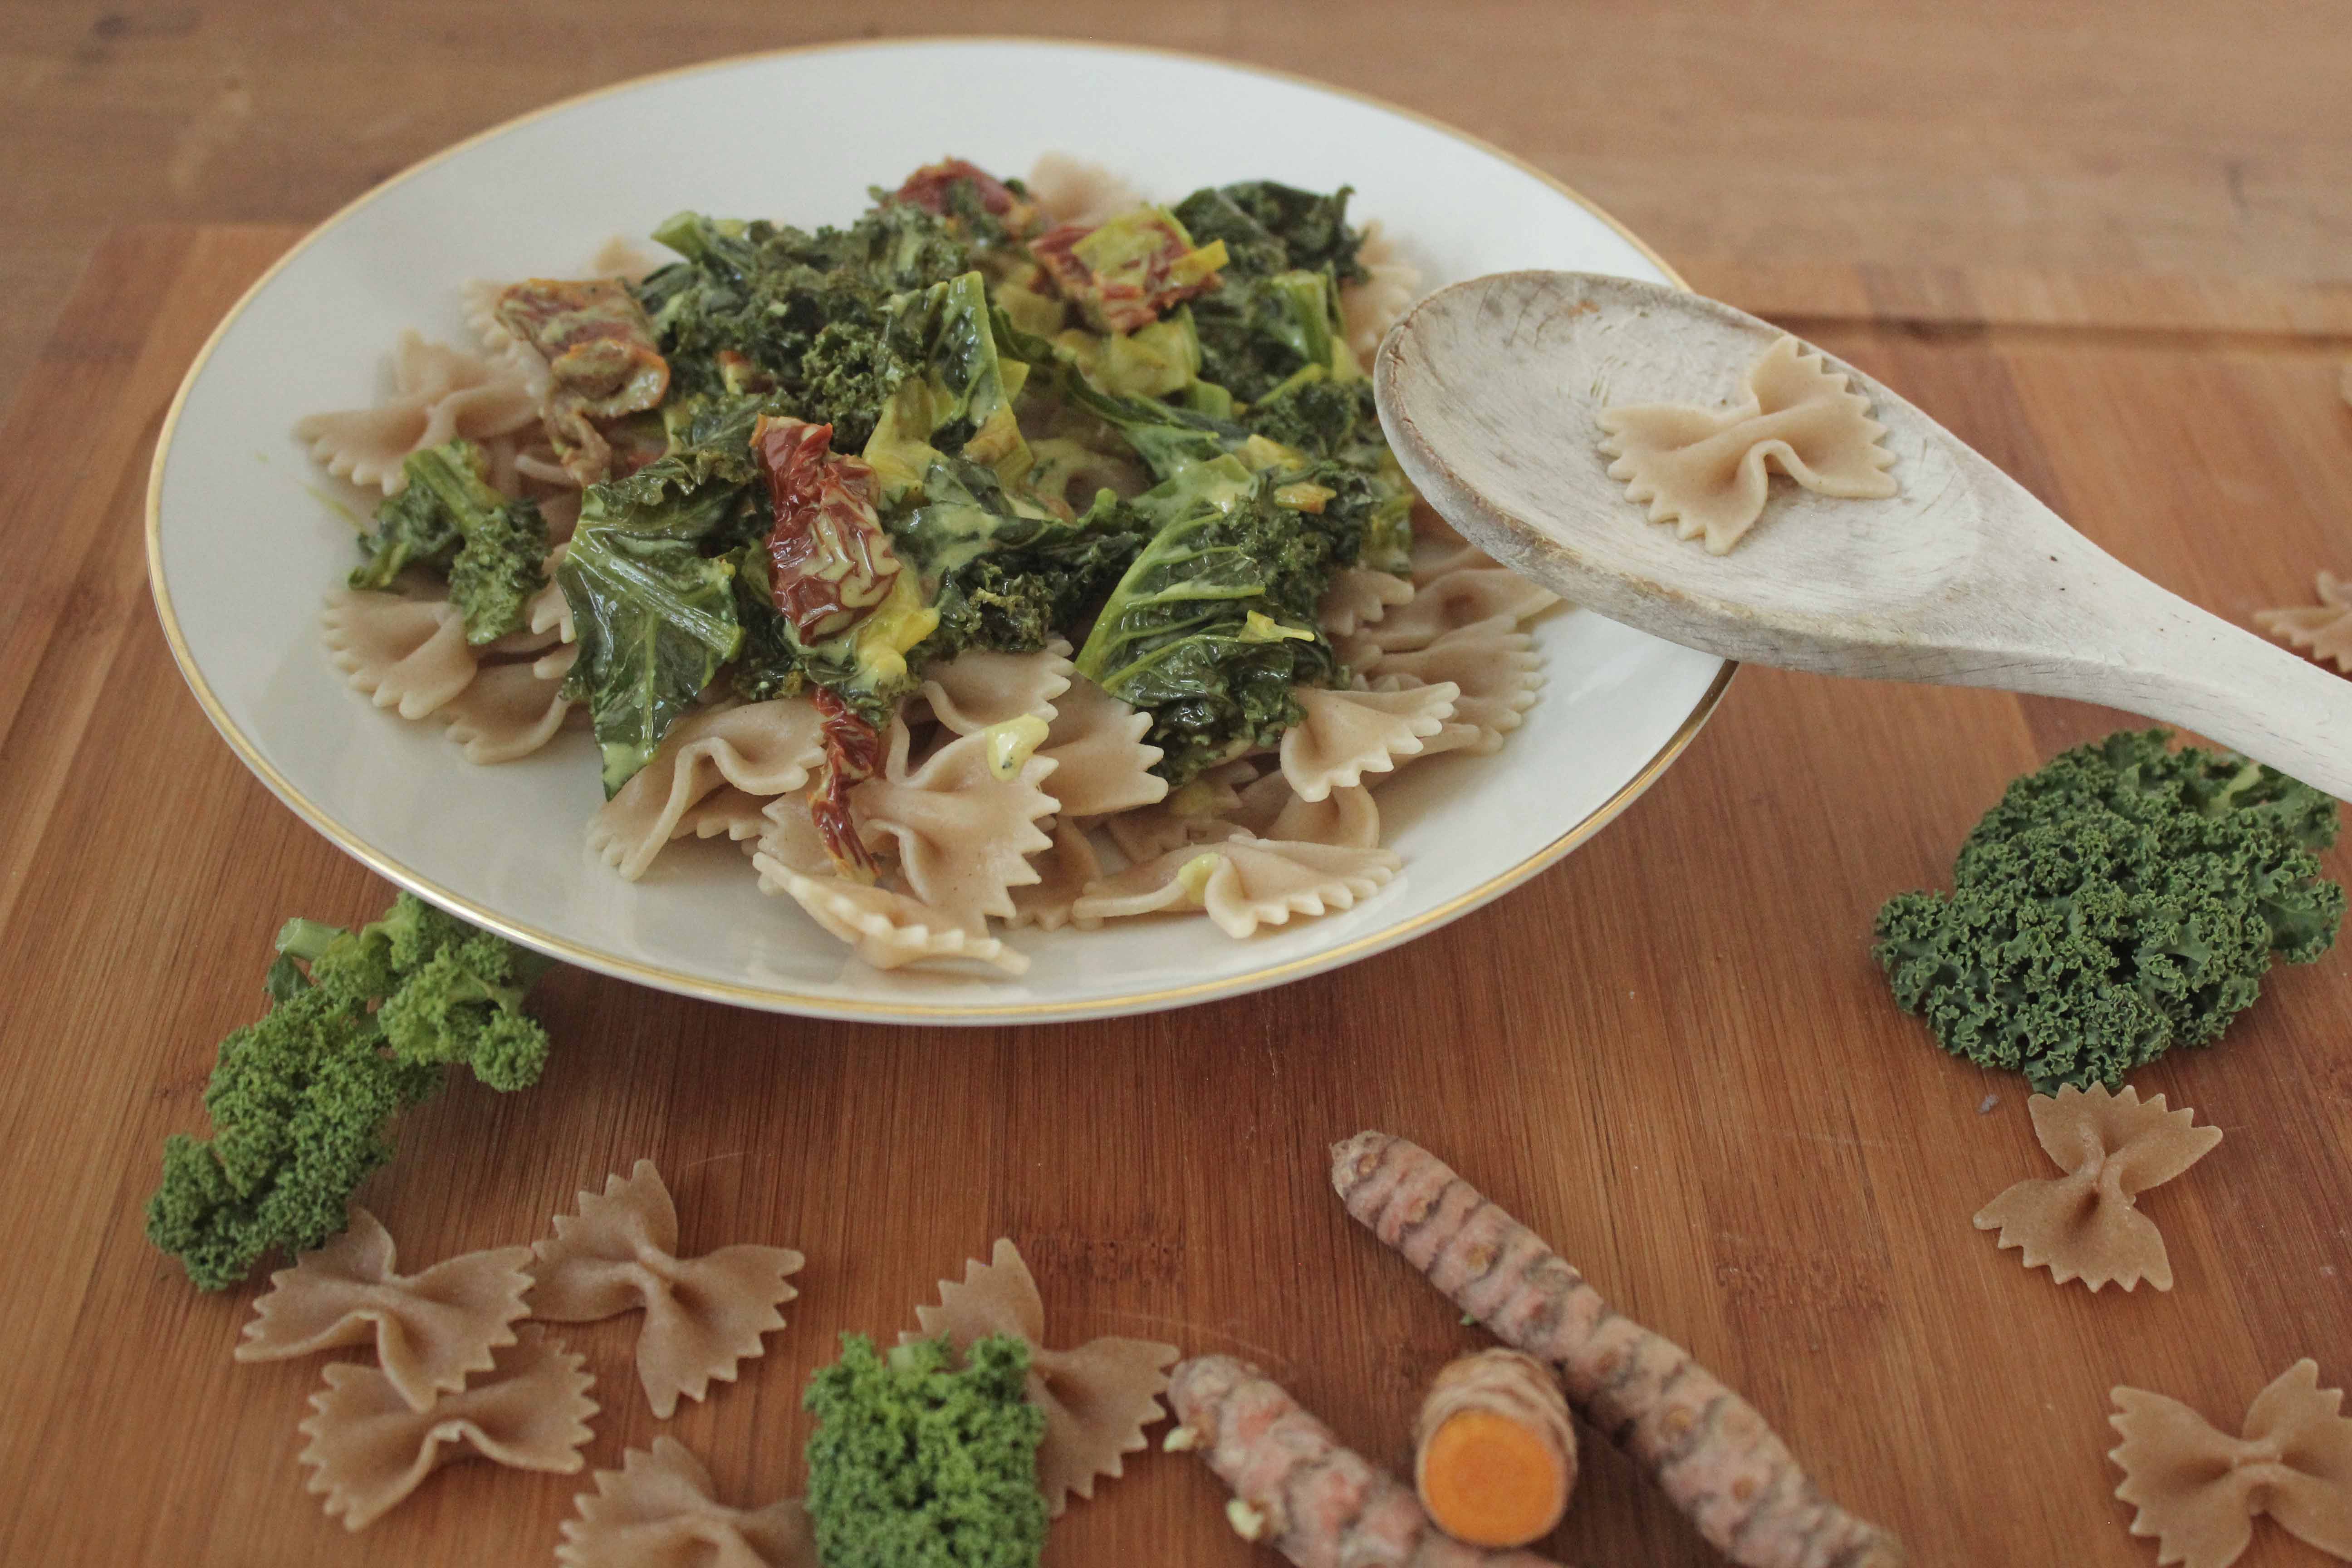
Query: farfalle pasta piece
x=964 y=832
x=1370 y=305
x=760 y=748
x=1343 y=735
x=407 y=653
x=1192 y=814
x=1347 y=816
x=1240 y=882
x=1064 y=873
x=438 y=394
x=2323 y=630
x=1358 y=596
x=627 y=258
x=510 y=710
x=431 y=1330
x=657 y=1510
x=369 y=1450
x=2114 y=1148
x=1707 y=471
x=1101 y=764
x=1434 y=557
x=737 y=816
x=981 y=686
x=2197 y=1490
x=888 y=930
x=548 y=613
x=1098 y=1398
x=1070 y=190
x=1459 y=598
x=703 y=1315
x=789 y=836
x=1494 y=667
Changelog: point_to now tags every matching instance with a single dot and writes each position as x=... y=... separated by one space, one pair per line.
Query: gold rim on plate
x=768 y=998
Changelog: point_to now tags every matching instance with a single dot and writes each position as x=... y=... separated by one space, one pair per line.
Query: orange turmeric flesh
x=1488 y=1480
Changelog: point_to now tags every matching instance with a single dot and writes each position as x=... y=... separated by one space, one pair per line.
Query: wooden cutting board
x=1671 y=1054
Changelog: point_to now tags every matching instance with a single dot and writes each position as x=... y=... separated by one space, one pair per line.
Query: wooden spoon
x=1490 y=392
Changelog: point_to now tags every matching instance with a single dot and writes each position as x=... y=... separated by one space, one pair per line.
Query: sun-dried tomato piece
x=830 y=561
x=601 y=363
x=853 y=753
x=927 y=187
x=1122 y=274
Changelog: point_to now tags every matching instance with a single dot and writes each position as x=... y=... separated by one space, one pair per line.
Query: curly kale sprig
x=2124 y=900
x=919 y=1463
x=361 y=1025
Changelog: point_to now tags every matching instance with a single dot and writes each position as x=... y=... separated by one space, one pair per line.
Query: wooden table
x=2200 y=136
x=1671 y=1054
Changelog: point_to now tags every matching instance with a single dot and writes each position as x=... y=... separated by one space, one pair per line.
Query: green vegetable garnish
x=361 y=1026
x=1184 y=632
x=919 y=1463
x=655 y=617
x=2124 y=900
x=900 y=332
x=447 y=519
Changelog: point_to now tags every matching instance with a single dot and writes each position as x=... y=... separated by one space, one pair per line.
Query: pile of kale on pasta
x=953 y=425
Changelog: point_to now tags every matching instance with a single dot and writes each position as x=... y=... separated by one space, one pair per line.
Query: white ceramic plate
x=241 y=549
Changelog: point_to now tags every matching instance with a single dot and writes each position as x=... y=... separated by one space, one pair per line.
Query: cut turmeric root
x=1707 y=1448
x=1495 y=1455
x=1296 y=1488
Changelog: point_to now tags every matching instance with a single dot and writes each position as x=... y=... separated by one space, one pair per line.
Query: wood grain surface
x=2205 y=137
x=1669 y=1054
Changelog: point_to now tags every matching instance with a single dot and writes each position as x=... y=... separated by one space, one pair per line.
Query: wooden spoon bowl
x=1491 y=391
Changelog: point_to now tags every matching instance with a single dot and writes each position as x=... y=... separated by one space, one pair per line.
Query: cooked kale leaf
x=1277 y=310
x=655 y=616
x=757 y=306
x=1169 y=440
x=448 y=520
x=1004 y=573
x=1316 y=416
x=1214 y=621
x=1269 y=228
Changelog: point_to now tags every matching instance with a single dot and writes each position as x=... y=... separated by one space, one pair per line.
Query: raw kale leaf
x=2122 y=899
x=447 y=519
x=919 y=1462
x=1214 y=621
x=360 y=1024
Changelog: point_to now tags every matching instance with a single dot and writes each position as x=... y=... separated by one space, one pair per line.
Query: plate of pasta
x=938 y=564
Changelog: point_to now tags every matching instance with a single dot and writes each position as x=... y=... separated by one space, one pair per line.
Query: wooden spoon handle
x=2164 y=657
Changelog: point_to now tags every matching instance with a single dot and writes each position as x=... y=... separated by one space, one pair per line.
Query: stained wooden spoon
x=1490 y=391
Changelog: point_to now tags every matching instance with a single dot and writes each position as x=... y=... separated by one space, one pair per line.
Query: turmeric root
x=1297 y=1489
x=1494 y=1455
x=1707 y=1447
